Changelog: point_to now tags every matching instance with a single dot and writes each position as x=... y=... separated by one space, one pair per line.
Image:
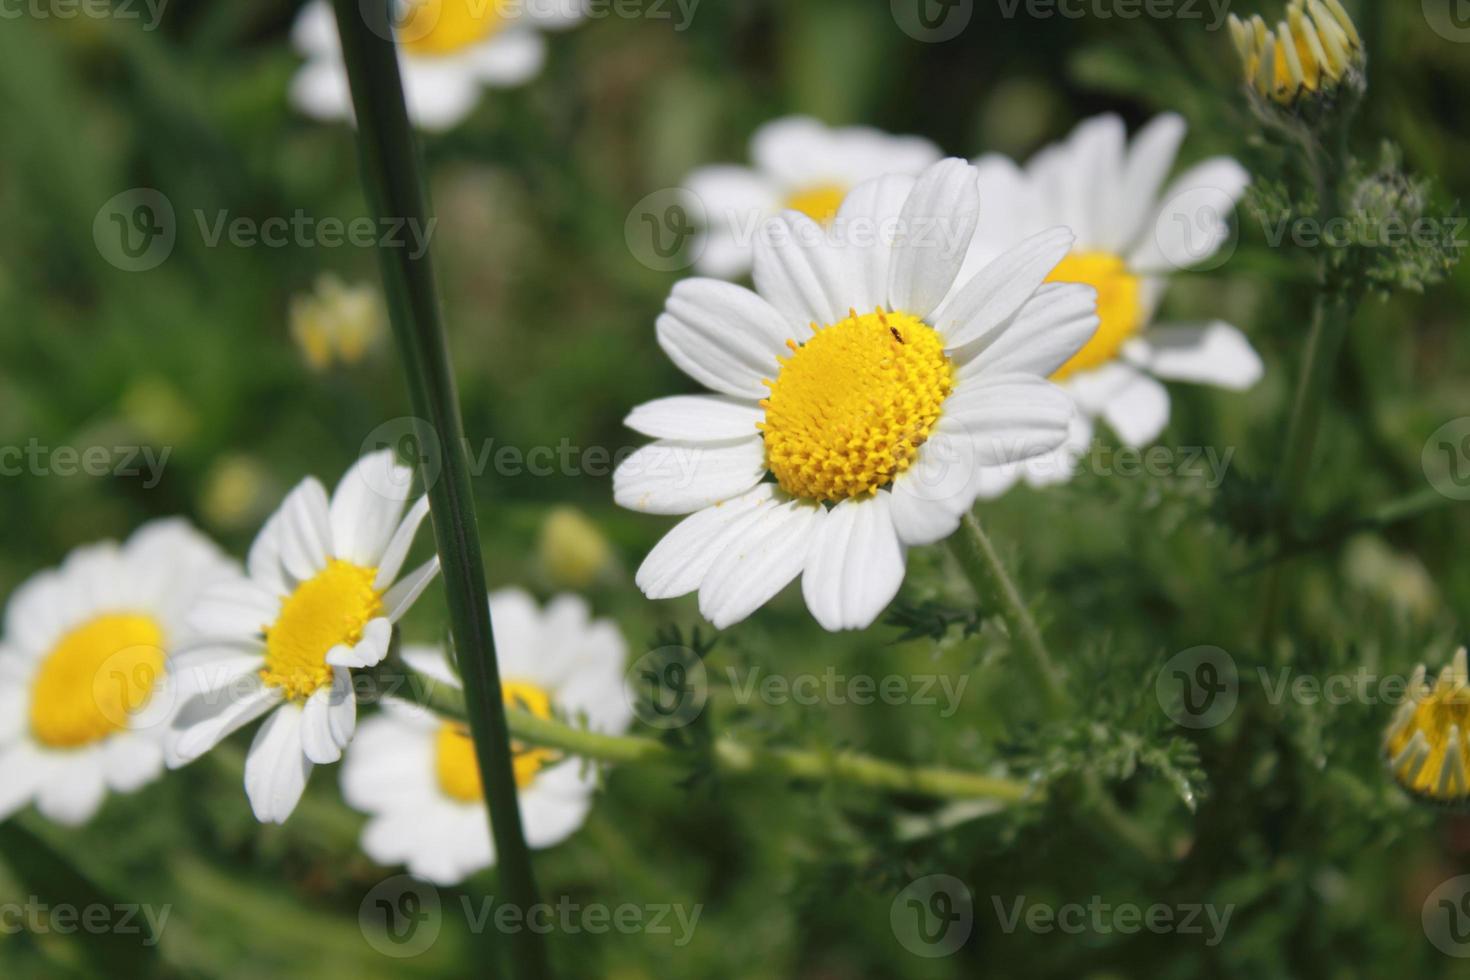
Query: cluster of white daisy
x=133 y=658
x=922 y=333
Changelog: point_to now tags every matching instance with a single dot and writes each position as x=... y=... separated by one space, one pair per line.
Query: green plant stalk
x=976 y=554
x=394 y=189
x=726 y=754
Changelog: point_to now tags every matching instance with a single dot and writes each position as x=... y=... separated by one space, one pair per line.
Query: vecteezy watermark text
x=832 y=687
x=36 y=459
x=123 y=919
x=1215 y=10
x=150 y=12
x=1099 y=917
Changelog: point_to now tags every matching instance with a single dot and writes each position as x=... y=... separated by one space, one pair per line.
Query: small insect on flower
x=85 y=697
x=321 y=596
x=448 y=51
x=798 y=164
x=1309 y=55
x=859 y=390
x=1428 y=743
x=416 y=775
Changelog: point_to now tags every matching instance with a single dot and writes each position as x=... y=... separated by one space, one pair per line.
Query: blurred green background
x=551 y=317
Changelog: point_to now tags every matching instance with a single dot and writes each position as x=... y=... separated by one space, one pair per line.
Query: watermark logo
x=135 y=231
x=1198 y=687
x=932 y=21
x=401 y=916
x=663 y=230
x=1196 y=229
x=669 y=687
x=1446 y=917
x=1446 y=459
x=414 y=442
x=933 y=916
x=1450 y=19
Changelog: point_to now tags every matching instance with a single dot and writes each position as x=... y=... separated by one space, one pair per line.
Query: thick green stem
x=976 y=554
x=395 y=192
x=727 y=755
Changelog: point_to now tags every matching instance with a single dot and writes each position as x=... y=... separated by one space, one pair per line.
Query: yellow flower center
x=329 y=609
x=96 y=677
x=1119 y=307
x=819 y=202
x=1428 y=744
x=850 y=408
x=442 y=27
x=454 y=750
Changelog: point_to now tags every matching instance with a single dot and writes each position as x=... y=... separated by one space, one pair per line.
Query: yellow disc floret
x=454 y=751
x=850 y=408
x=819 y=202
x=442 y=27
x=1119 y=307
x=325 y=611
x=1428 y=743
x=95 y=678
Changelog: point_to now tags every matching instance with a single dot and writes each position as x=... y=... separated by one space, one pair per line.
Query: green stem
x=981 y=562
x=727 y=755
x=395 y=192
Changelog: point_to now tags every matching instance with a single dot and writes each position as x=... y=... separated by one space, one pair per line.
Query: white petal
x=213 y=666
x=679 y=562
x=1139 y=411
x=367 y=505
x=918 y=518
x=305 y=530
x=997 y=291
x=433 y=663
x=1150 y=158
x=1053 y=325
x=207 y=719
x=391 y=562
x=724 y=336
x=439 y=96
x=697 y=418
x=276 y=768
x=760 y=563
x=24 y=771
x=510 y=58
x=551 y=818
x=131 y=761
x=800 y=273
x=322 y=719
x=855 y=566
x=235 y=609
x=388 y=764
x=1193 y=220
x=398 y=600
x=672 y=477
x=264 y=560
x=319 y=89
x=732 y=199
x=1008 y=418
x=993 y=482
x=74 y=791
x=867 y=222
x=1213 y=354
x=315 y=30
x=935 y=227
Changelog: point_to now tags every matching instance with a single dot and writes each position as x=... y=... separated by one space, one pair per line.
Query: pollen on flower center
x=329 y=609
x=454 y=751
x=1119 y=307
x=442 y=27
x=94 y=678
x=850 y=408
x=819 y=202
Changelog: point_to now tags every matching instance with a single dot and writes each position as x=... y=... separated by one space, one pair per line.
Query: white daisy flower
x=85 y=697
x=416 y=775
x=1130 y=237
x=321 y=596
x=448 y=51
x=867 y=380
x=800 y=164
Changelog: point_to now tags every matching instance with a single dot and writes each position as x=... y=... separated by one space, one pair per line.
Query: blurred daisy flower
x=415 y=773
x=867 y=380
x=448 y=51
x=336 y=323
x=1309 y=54
x=85 y=697
x=1428 y=742
x=1132 y=232
x=321 y=596
x=800 y=164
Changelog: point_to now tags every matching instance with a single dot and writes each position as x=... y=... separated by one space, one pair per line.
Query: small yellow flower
x=1428 y=744
x=572 y=549
x=1310 y=54
x=336 y=322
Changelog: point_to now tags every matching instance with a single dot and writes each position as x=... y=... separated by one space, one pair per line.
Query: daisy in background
x=857 y=392
x=84 y=691
x=448 y=51
x=415 y=773
x=800 y=164
x=321 y=596
x=1132 y=232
